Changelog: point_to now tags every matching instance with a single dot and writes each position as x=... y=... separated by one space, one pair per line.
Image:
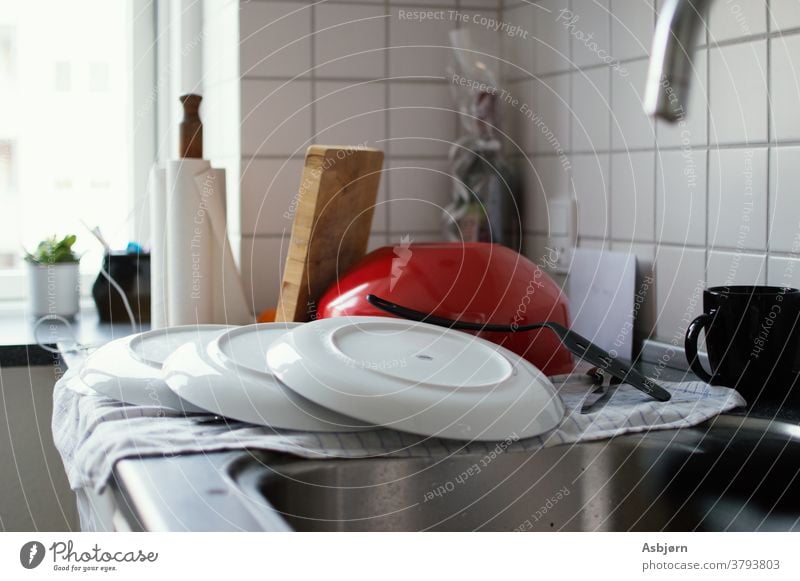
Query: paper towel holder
x=191 y=128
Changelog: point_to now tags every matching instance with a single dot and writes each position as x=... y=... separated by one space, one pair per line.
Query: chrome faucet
x=670 y=72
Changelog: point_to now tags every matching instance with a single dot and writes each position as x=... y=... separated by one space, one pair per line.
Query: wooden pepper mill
x=191 y=128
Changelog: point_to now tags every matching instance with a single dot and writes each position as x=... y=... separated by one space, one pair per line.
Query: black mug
x=752 y=339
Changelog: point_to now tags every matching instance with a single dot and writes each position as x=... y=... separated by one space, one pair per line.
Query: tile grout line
x=313 y=72
x=767 y=7
x=706 y=253
x=387 y=6
x=611 y=117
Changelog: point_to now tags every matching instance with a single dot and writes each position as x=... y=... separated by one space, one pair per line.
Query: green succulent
x=53 y=251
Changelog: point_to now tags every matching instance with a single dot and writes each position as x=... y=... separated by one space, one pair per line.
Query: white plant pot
x=54 y=289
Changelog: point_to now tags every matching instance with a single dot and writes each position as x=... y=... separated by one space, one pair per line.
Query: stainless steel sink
x=729 y=474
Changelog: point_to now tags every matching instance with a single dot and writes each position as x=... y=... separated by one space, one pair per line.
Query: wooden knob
x=191 y=128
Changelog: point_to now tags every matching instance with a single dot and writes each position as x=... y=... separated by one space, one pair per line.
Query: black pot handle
x=577 y=344
x=690 y=345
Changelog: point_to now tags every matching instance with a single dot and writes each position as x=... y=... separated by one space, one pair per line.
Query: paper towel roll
x=190 y=290
x=157 y=194
x=230 y=306
x=203 y=284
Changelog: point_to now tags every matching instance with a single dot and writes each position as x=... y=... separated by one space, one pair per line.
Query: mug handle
x=690 y=345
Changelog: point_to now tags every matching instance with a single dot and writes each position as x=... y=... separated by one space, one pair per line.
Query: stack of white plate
x=339 y=374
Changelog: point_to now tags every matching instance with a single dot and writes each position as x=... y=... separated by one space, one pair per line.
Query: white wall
x=711 y=202
x=708 y=202
x=338 y=72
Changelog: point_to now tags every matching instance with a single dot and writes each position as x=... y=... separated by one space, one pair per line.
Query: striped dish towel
x=92 y=432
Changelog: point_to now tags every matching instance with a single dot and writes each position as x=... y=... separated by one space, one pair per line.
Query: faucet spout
x=670 y=72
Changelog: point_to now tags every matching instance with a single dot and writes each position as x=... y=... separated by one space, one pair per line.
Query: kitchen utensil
x=129 y=369
x=417 y=378
x=475 y=282
x=485 y=206
x=577 y=344
x=332 y=221
x=131 y=271
x=752 y=339
x=598 y=397
x=227 y=374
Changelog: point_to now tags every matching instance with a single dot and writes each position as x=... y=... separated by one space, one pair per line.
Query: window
x=68 y=143
x=7 y=59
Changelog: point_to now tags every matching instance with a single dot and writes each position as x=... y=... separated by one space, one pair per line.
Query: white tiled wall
x=709 y=201
x=714 y=200
x=342 y=72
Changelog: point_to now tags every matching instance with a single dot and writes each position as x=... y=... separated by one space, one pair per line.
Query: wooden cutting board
x=331 y=226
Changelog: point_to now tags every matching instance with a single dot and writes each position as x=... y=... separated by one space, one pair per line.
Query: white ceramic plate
x=129 y=369
x=416 y=377
x=75 y=384
x=228 y=374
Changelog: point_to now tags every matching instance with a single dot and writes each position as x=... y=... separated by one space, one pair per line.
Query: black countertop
x=20 y=341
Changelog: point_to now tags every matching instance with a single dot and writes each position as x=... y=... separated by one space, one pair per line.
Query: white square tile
x=351 y=113
x=263 y=259
x=692 y=129
x=680 y=280
x=420 y=191
x=422 y=120
x=275 y=39
x=544 y=179
x=269 y=190
x=418 y=3
x=739 y=93
x=785 y=87
x=484 y=37
x=591 y=110
x=633 y=196
x=783 y=271
x=632 y=27
x=737 y=198
x=551 y=129
x=519 y=136
x=784 y=14
x=590 y=28
x=681 y=197
x=535 y=247
x=726 y=268
x=276 y=117
x=784 y=203
x=595 y=243
x=519 y=49
x=591 y=190
x=351 y=39
x=395 y=238
x=377 y=241
x=631 y=126
x=553 y=38
x=473 y=3
x=729 y=20
x=418 y=48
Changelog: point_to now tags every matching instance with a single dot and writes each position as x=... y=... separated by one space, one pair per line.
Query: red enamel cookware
x=474 y=282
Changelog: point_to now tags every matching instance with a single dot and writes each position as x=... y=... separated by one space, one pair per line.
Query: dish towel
x=92 y=432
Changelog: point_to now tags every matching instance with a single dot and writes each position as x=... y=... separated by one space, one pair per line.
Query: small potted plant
x=53 y=272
